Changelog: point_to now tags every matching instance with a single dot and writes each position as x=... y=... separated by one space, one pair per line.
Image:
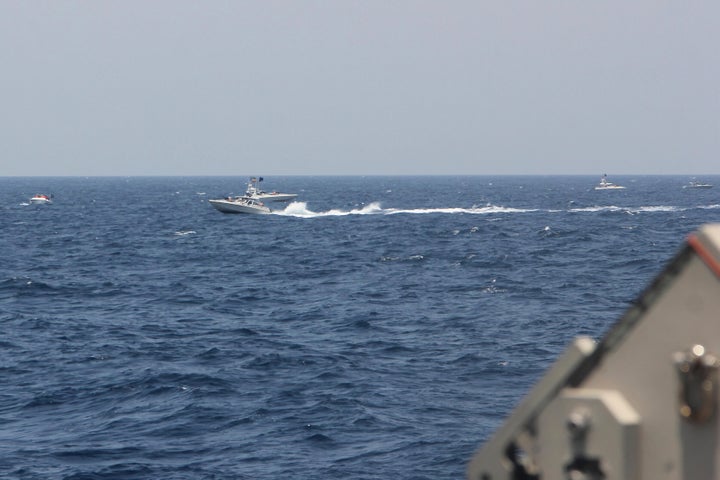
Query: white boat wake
x=300 y=209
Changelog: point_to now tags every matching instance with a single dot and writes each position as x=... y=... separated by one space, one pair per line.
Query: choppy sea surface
x=376 y=328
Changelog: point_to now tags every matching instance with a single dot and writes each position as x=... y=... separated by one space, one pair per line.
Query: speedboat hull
x=41 y=200
x=240 y=205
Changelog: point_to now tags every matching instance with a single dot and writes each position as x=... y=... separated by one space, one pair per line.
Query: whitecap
x=492 y=288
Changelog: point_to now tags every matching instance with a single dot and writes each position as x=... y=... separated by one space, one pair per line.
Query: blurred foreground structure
x=639 y=405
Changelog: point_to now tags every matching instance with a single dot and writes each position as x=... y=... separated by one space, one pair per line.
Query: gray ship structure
x=640 y=404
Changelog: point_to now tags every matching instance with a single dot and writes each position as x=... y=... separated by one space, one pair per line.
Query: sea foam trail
x=634 y=210
x=299 y=209
x=474 y=210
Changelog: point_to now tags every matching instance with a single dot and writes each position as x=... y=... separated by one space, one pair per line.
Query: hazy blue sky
x=187 y=87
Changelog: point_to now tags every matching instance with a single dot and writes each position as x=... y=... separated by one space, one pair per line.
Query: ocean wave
x=387 y=339
x=28 y=286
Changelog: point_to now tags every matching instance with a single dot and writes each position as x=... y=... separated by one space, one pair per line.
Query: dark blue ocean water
x=379 y=328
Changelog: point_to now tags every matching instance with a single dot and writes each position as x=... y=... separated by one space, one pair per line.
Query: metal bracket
x=697 y=372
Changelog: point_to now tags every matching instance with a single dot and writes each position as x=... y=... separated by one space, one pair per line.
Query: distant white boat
x=240 y=204
x=41 y=199
x=698 y=185
x=605 y=185
x=254 y=191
